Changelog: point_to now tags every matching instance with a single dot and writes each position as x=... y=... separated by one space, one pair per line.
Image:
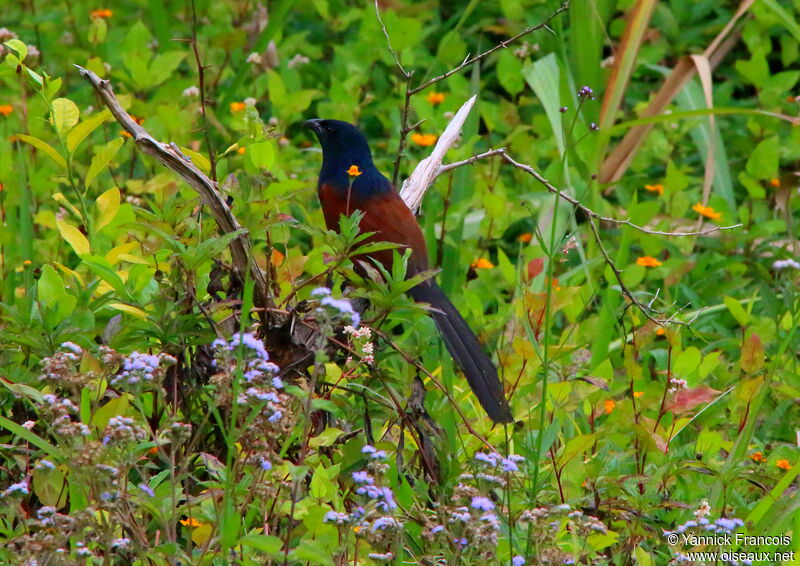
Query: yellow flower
x=647 y=261
x=191 y=522
x=105 y=13
x=707 y=211
x=783 y=464
x=525 y=238
x=424 y=139
x=238 y=106
x=775 y=183
x=758 y=457
x=354 y=171
x=655 y=189
x=6 y=109
x=435 y=98
x=638 y=394
x=482 y=263
x=609 y=405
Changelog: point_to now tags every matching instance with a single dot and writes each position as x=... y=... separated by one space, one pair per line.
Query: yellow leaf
x=113 y=255
x=74 y=237
x=65 y=114
x=78 y=133
x=135 y=311
x=200 y=160
x=130 y=258
x=68 y=271
x=48 y=149
x=107 y=206
x=201 y=534
x=61 y=199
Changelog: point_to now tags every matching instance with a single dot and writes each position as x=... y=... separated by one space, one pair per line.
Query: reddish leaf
x=535 y=267
x=686 y=400
x=752 y=354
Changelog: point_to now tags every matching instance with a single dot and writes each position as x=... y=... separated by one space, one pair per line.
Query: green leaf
x=163 y=66
x=64 y=114
x=737 y=311
x=49 y=486
x=543 y=76
x=200 y=160
x=509 y=73
x=50 y=286
x=104 y=271
x=19 y=47
x=687 y=361
x=107 y=207
x=48 y=149
x=114 y=408
x=102 y=156
x=763 y=160
x=267 y=544
x=261 y=155
x=79 y=133
x=30 y=437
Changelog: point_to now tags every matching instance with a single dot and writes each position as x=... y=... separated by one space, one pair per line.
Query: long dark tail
x=463 y=345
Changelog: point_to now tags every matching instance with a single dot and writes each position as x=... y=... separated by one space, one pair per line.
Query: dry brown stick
x=171 y=157
x=592 y=214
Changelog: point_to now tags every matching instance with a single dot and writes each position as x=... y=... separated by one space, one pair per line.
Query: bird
x=349 y=181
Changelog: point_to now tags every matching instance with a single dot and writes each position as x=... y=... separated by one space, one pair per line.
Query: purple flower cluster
x=336 y=308
x=122 y=429
x=139 y=368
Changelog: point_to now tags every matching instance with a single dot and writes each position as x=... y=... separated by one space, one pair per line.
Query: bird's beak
x=313 y=124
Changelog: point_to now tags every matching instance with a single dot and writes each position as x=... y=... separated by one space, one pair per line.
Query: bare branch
x=592 y=214
x=501 y=45
x=406 y=74
x=445 y=168
x=205 y=187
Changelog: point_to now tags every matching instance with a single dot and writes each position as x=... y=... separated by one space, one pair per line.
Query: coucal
x=385 y=214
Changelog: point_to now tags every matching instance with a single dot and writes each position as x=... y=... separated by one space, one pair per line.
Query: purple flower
x=120 y=543
x=367 y=449
x=363 y=477
x=482 y=503
x=509 y=465
x=146 y=488
x=518 y=560
x=277 y=383
x=437 y=529
x=490 y=459
x=321 y=292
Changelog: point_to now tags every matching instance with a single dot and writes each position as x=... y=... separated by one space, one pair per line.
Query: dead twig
x=174 y=160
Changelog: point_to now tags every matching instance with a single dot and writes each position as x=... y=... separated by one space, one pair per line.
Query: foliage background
x=100 y=245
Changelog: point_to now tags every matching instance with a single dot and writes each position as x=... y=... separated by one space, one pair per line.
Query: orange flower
x=354 y=171
x=707 y=211
x=152 y=450
x=783 y=464
x=660 y=331
x=424 y=139
x=27 y=262
x=775 y=183
x=106 y=13
x=191 y=522
x=638 y=394
x=482 y=263
x=758 y=457
x=238 y=106
x=609 y=405
x=655 y=189
x=647 y=261
x=525 y=238
x=241 y=150
x=276 y=258
x=435 y=98
x=125 y=134
x=6 y=109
